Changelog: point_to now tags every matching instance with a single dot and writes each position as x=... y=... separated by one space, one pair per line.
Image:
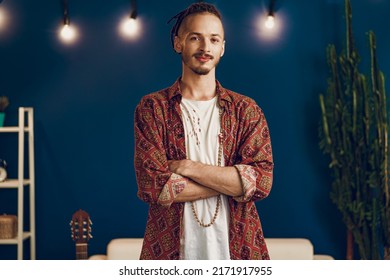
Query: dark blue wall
x=84 y=98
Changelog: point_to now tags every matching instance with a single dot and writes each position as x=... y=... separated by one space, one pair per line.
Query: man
x=202 y=155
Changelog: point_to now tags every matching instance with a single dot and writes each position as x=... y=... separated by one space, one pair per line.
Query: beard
x=199 y=70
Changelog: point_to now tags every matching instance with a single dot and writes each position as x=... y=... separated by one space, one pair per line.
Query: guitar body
x=80 y=227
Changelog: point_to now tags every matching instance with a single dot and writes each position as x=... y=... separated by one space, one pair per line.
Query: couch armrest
x=97 y=257
x=124 y=249
x=323 y=257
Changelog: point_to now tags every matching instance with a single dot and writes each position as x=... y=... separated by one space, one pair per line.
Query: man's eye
x=215 y=40
x=194 y=38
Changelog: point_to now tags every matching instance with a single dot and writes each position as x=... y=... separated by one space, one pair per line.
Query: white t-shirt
x=201 y=126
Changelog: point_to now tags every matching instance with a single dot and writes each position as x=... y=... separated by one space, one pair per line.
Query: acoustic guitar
x=80 y=227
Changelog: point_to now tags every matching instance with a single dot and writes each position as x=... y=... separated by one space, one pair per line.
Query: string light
x=268 y=26
x=130 y=26
x=270 y=22
x=68 y=33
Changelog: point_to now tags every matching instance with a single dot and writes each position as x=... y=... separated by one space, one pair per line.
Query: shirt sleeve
x=156 y=184
x=255 y=164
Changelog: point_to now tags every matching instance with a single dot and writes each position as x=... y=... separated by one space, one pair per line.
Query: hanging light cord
x=65 y=11
x=271 y=9
x=134 y=10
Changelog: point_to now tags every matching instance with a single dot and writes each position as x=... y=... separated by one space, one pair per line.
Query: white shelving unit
x=25 y=128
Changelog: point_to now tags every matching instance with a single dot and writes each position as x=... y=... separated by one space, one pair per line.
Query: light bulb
x=268 y=27
x=68 y=34
x=130 y=27
x=3 y=18
x=270 y=22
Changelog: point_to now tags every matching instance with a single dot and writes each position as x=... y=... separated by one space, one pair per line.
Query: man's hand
x=181 y=166
x=194 y=190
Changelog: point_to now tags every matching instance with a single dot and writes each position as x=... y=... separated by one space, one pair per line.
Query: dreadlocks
x=195 y=8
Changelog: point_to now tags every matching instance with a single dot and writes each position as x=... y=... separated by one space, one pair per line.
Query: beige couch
x=279 y=249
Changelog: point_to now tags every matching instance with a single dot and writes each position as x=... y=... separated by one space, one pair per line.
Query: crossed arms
x=164 y=181
x=206 y=180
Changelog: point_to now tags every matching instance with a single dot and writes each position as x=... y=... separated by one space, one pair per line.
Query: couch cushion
x=290 y=248
x=279 y=249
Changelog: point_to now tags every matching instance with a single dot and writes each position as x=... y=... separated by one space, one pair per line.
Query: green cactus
x=354 y=132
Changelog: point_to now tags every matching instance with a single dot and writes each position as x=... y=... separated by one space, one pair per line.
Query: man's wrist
x=190 y=170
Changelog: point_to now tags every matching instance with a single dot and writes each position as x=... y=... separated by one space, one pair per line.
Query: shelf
x=15 y=240
x=25 y=155
x=13 y=183
x=12 y=129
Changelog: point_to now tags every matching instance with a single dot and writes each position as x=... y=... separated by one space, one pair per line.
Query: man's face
x=201 y=42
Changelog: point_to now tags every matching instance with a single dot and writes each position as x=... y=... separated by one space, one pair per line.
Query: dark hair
x=195 y=8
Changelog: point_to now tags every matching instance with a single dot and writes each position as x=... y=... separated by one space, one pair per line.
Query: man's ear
x=177 y=45
x=223 y=48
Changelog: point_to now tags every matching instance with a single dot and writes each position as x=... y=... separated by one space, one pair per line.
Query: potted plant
x=354 y=132
x=4 y=102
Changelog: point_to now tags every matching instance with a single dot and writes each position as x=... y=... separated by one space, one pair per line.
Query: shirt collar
x=174 y=91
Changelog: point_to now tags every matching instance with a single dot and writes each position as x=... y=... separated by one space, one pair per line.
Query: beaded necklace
x=193 y=206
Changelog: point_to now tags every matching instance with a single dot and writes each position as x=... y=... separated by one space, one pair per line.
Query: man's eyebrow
x=200 y=34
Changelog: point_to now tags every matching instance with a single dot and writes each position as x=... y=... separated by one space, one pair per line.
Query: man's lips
x=203 y=58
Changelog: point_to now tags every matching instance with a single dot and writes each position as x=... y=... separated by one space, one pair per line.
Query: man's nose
x=205 y=45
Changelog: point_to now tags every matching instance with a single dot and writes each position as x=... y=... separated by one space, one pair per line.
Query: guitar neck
x=81 y=251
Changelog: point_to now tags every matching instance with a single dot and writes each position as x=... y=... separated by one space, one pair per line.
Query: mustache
x=204 y=55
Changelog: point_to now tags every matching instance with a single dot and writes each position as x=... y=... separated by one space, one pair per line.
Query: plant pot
x=2 y=117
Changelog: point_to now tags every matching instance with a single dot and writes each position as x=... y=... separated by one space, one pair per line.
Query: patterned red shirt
x=159 y=137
